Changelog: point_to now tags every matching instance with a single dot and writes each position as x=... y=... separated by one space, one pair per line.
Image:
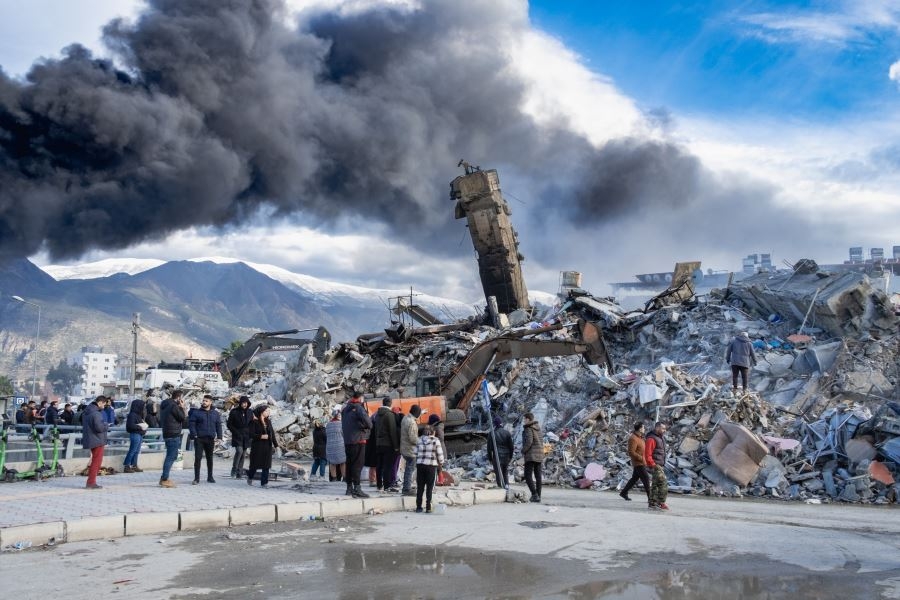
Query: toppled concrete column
x=840 y=303
x=478 y=199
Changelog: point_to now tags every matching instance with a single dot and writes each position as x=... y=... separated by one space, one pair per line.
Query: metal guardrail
x=20 y=447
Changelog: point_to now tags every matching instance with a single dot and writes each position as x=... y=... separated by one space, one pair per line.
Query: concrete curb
x=114 y=526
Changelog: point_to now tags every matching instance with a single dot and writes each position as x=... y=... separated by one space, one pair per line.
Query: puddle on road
x=313 y=567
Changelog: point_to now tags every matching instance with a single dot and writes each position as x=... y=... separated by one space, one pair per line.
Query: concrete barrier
x=205 y=519
x=146 y=523
x=386 y=504
x=38 y=534
x=95 y=528
x=342 y=508
x=298 y=511
x=490 y=495
x=253 y=514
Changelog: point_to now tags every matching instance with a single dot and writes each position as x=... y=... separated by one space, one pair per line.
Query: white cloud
x=894 y=72
x=850 y=20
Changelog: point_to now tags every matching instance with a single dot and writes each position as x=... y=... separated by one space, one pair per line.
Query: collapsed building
x=821 y=421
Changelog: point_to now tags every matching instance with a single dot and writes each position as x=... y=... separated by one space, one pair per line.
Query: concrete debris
x=820 y=422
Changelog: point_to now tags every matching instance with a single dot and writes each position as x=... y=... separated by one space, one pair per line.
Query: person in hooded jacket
x=320 y=442
x=387 y=442
x=172 y=419
x=505 y=450
x=136 y=427
x=741 y=357
x=356 y=426
x=262 y=445
x=533 y=451
x=93 y=438
x=238 y=424
x=335 y=452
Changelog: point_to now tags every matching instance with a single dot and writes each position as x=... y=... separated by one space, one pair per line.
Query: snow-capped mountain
x=325 y=293
x=101 y=268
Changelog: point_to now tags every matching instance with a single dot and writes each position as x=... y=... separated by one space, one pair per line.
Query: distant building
x=757 y=263
x=99 y=369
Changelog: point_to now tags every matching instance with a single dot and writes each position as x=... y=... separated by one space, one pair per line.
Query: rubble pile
x=821 y=422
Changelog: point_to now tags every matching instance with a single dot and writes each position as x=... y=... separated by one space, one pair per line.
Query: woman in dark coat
x=262 y=444
x=320 y=441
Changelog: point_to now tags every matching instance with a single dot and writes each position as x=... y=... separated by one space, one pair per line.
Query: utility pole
x=135 y=327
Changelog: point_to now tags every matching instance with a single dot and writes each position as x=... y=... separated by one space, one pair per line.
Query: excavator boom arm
x=590 y=345
x=235 y=365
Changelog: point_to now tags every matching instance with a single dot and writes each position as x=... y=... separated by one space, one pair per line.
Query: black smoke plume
x=214 y=109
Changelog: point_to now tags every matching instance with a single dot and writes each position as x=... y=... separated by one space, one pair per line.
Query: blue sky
x=798 y=99
x=735 y=58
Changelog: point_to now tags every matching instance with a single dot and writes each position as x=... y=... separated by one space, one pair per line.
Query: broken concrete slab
x=840 y=303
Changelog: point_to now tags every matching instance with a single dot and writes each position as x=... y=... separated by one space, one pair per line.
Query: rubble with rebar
x=821 y=421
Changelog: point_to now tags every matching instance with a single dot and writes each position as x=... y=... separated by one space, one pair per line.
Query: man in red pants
x=93 y=438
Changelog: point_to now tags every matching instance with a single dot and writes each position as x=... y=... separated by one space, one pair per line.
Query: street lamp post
x=37 y=335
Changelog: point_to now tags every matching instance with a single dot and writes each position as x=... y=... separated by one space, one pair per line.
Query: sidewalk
x=133 y=503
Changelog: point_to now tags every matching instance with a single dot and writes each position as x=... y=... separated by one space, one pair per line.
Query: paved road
x=64 y=498
x=578 y=544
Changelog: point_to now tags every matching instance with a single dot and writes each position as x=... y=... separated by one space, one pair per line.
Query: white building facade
x=99 y=368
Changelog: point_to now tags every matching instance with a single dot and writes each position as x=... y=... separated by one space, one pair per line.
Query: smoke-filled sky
x=321 y=136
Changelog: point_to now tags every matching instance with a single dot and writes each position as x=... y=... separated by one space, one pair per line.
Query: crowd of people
x=348 y=442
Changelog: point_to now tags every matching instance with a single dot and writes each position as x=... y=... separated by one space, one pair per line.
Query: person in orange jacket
x=638 y=463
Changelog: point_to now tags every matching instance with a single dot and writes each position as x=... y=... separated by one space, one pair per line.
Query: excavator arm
x=270 y=341
x=590 y=344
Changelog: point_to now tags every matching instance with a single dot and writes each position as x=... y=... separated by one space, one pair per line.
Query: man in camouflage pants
x=655 y=455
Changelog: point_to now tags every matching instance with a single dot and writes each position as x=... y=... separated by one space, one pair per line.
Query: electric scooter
x=4 y=437
x=11 y=475
x=54 y=469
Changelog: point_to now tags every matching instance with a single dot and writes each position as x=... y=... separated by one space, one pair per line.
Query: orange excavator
x=453 y=402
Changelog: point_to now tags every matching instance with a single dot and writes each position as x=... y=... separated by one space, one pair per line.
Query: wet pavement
x=711 y=549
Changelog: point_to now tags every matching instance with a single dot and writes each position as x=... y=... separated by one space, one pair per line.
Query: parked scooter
x=40 y=470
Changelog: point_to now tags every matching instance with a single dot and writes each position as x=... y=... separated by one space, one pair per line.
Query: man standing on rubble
x=655 y=457
x=741 y=357
x=387 y=446
x=356 y=425
x=409 y=437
